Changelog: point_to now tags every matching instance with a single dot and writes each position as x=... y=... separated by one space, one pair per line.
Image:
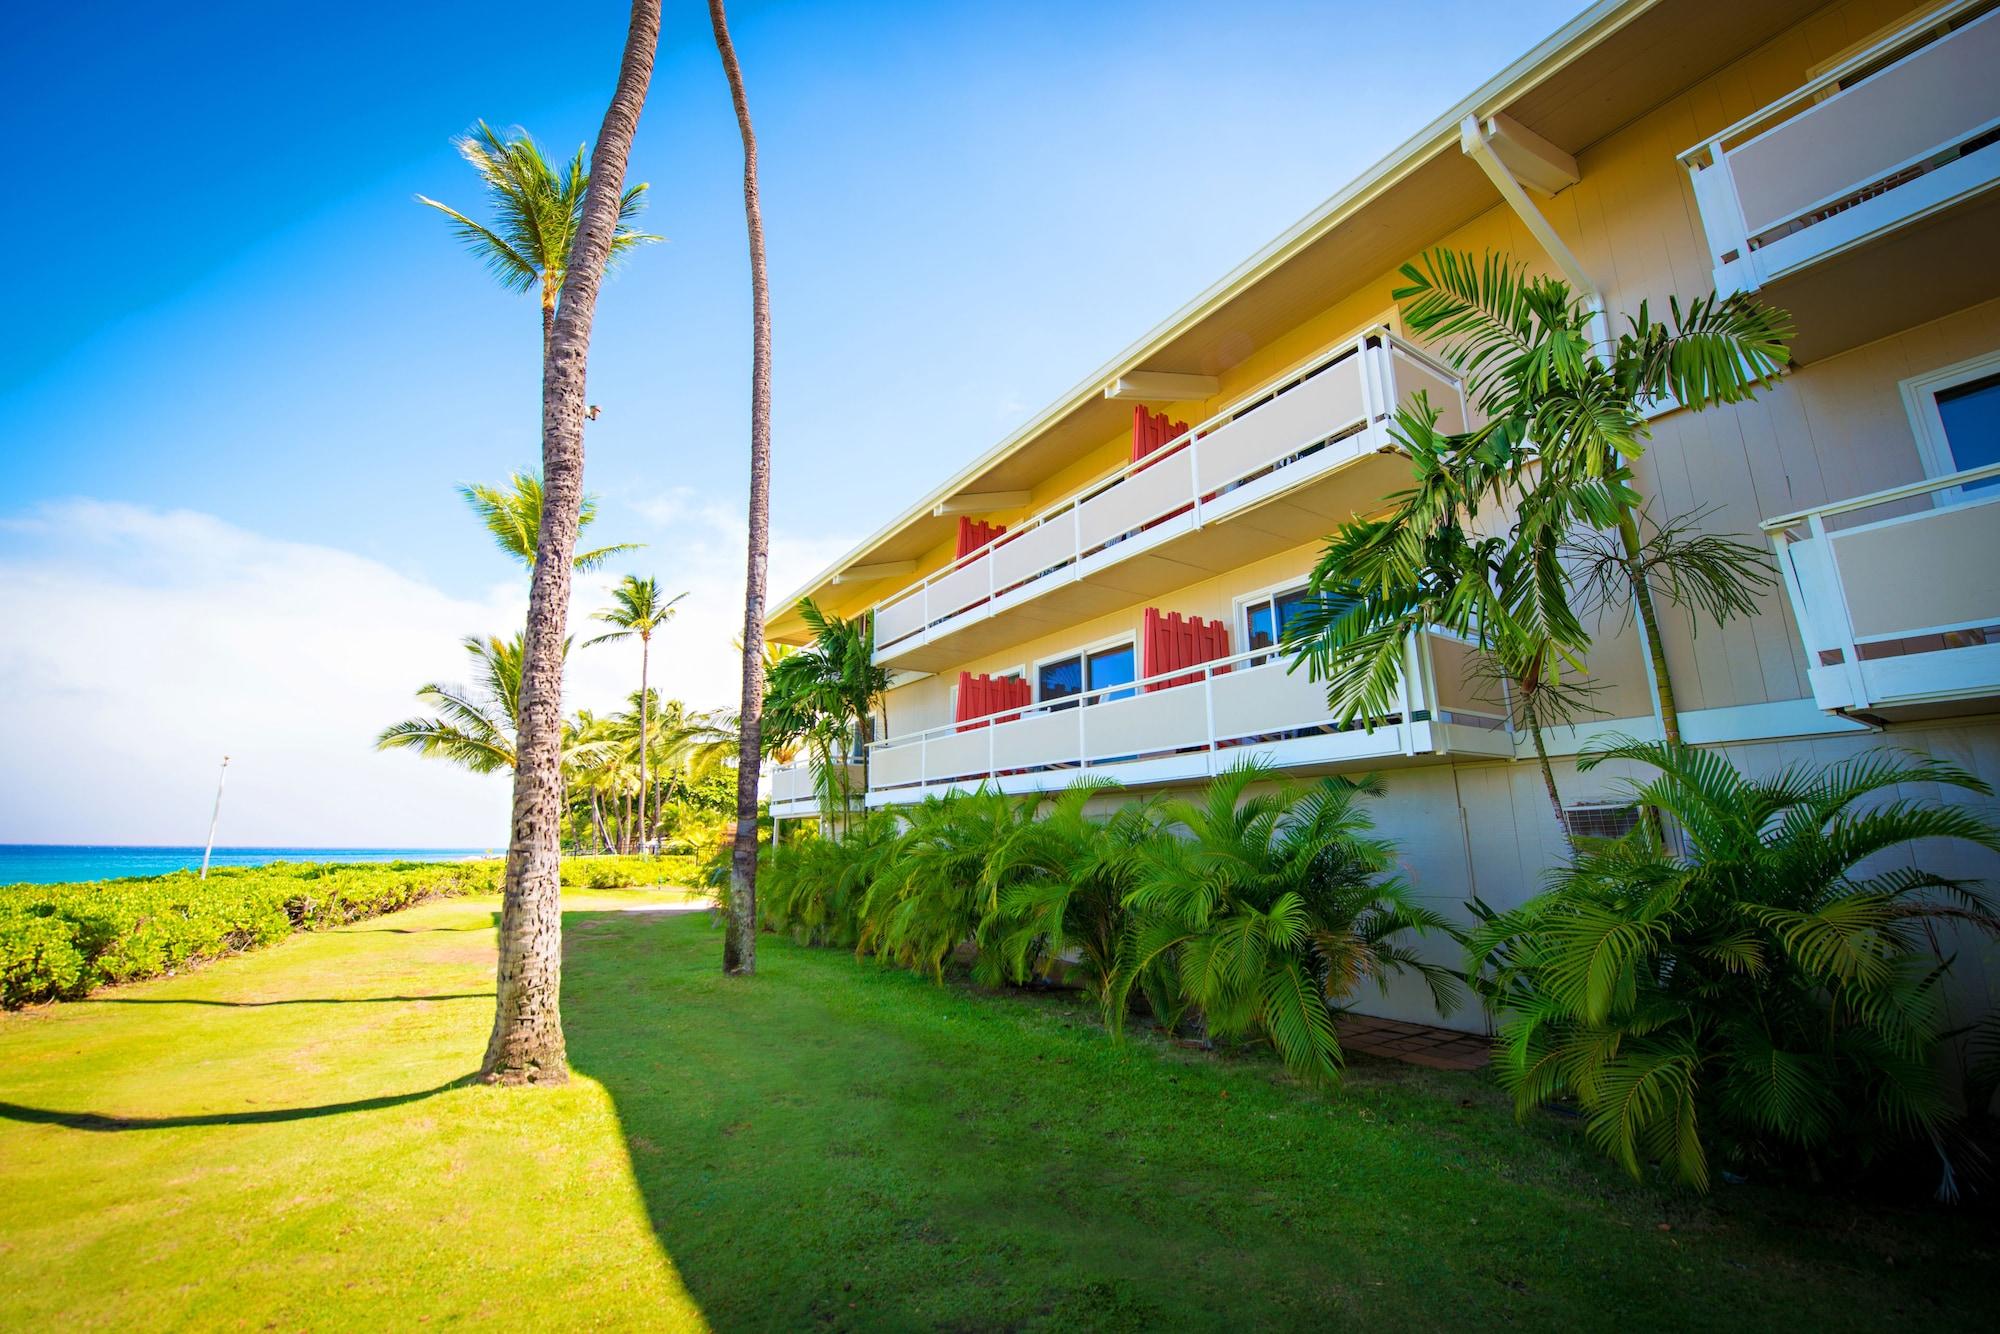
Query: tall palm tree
x=512 y=513
x=536 y=215
x=527 y=1045
x=475 y=725
x=637 y=610
x=739 y=950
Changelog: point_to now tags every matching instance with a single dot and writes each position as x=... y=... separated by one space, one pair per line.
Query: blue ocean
x=52 y=863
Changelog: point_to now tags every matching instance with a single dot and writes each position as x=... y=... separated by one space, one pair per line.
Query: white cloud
x=142 y=645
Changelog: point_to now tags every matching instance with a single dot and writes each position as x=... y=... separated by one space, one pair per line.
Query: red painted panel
x=1151 y=431
x=981 y=696
x=1171 y=642
x=976 y=533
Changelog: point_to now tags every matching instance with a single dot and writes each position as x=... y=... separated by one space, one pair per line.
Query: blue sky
x=236 y=333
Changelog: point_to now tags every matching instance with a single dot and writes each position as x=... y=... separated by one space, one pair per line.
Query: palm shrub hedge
x=1270 y=910
x=1260 y=913
x=57 y=942
x=1768 y=998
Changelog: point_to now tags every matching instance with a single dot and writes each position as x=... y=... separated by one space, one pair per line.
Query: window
x=1601 y=819
x=1265 y=618
x=1970 y=413
x=1058 y=682
x=1955 y=413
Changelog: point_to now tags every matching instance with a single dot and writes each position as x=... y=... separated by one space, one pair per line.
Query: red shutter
x=976 y=533
x=1172 y=642
x=981 y=696
x=1151 y=431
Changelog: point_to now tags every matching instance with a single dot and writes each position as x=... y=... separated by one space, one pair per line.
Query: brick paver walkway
x=1418 y=1044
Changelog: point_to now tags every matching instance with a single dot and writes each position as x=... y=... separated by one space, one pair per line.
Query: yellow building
x=1838 y=159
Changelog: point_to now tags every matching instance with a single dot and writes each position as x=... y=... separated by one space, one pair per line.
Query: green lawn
x=283 y=1139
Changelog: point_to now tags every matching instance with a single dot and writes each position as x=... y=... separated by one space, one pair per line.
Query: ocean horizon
x=58 y=863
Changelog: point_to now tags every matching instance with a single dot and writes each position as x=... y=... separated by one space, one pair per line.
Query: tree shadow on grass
x=98 y=1121
x=294 y=1000
x=829 y=1143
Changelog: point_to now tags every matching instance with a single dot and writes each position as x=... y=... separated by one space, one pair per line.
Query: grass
x=285 y=1139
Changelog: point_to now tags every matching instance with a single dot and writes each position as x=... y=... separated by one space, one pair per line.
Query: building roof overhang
x=1610 y=65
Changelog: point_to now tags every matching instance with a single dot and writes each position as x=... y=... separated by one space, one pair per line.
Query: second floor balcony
x=1897 y=597
x=1285 y=466
x=1864 y=201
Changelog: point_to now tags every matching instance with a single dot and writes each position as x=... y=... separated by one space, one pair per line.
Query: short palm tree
x=1770 y=996
x=512 y=514
x=824 y=698
x=1563 y=418
x=638 y=609
x=932 y=896
x=1059 y=882
x=536 y=212
x=1271 y=910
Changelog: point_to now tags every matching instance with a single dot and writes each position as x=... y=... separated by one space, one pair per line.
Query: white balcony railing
x=1898 y=132
x=1901 y=610
x=1181 y=725
x=1332 y=411
x=794 y=791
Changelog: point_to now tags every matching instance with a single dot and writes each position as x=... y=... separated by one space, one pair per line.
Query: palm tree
x=473 y=727
x=637 y=609
x=1427 y=565
x=1060 y=880
x=527 y=1041
x=825 y=698
x=512 y=514
x=1773 y=993
x=739 y=950
x=1563 y=419
x=536 y=215
x=1272 y=910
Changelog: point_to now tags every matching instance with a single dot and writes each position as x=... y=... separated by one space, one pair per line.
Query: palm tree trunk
x=645 y=652
x=1649 y=622
x=526 y=1046
x=1549 y=778
x=597 y=821
x=739 y=949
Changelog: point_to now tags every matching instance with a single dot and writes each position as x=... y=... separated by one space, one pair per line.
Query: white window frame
x=1927 y=423
x=1126 y=640
x=1239 y=608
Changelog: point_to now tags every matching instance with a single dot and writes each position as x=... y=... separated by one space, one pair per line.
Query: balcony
x=1863 y=202
x=1191 y=723
x=793 y=794
x=1283 y=467
x=1897 y=597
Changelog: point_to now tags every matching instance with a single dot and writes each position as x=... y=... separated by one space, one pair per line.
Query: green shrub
x=1764 y=999
x=57 y=942
x=1268 y=913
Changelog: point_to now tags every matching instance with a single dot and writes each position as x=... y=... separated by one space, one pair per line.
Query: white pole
x=214 y=816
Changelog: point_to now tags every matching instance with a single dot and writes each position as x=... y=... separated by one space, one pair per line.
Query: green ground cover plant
x=58 y=942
